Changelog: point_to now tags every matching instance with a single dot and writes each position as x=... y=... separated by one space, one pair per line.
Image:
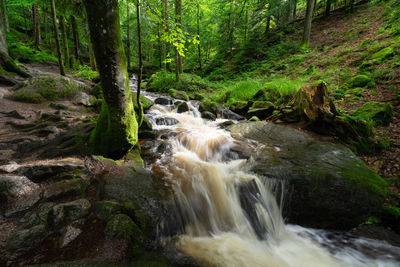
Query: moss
x=198 y=96
x=27 y=97
x=361 y=81
x=356 y=91
x=262 y=104
x=134 y=155
x=383 y=55
x=392 y=211
x=115 y=133
x=178 y=94
x=310 y=70
x=379 y=113
x=97 y=91
x=254 y=118
x=105 y=209
x=85 y=72
x=4 y=72
x=208 y=105
x=146 y=103
x=121 y=226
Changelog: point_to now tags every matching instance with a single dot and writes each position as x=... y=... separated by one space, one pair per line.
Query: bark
x=4 y=15
x=315 y=7
x=65 y=41
x=178 y=57
x=307 y=23
x=5 y=61
x=91 y=56
x=294 y=9
x=328 y=8
x=165 y=29
x=351 y=5
x=268 y=24
x=140 y=52
x=76 y=39
x=198 y=33
x=128 y=42
x=56 y=35
x=36 y=25
x=116 y=129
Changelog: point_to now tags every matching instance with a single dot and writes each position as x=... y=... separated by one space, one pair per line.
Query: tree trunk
x=351 y=5
x=198 y=33
x=91 y=56
x=139 y=85
x=116 y=131
x=4 y=15
x=307 y=23
x=294 y=9
x=315 y=7
x=328 y=8
x=56 y=35
x=128 y=42
x=65 y=41
x=178 y=61
x=5 y=61
x=36 y=25
x=165 y=29
x=76 y=39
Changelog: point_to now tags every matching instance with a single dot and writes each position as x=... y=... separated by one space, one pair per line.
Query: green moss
x=361 y=81
x=121 y=226
x=392 y=211
x=310 y=70
x=105 y=209
x=146 y=103
x=262 y=104
x=86 y=72
x=208 y=105
x=134 y=155
x=382 y=55
x=198 y=96
x=377 y=112
x=178 y=94
x=115 y=133
x=27 y=97
x=254 y=118
x=356 y=91
x=22 y=53
x=97 y=91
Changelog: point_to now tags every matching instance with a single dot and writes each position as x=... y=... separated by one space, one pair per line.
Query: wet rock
x=81 y=98
x=182 y=107
x=67 y=212
x=209 y=106
x=166 y=121
x=164 y=148
x=122 y=226
x=208 y=116
x=69 y=234
x=229 y=115
x=73 y=187
x=178 y=94
x=225 y=124
x=147 y=134
x=25 y=240
x=322 y=180
x=163 y=101
x=240 y=107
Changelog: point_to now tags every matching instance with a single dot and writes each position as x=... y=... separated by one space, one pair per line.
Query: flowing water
x=231 y=217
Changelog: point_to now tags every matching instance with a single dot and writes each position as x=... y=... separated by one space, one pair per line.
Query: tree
x=116 y=131
x=5 y=61
x=178 y=20
x=4 y=15
x=328 y=7
x=164 y=43
x=65 y=42
x=56 y=35
x=128 y=41
x=140 y=52
x=76 y=39
x=36 y=25
x=307 y=23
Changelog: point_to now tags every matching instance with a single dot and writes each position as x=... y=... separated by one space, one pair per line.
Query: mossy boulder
x=178 y=94
x=209 y=106
x=254 y=118
x=326 y=184
x=146 y=102
x=361 y=81
x=122 y=226
x=45 y=87
x=262 y=104
x=379 y=113
x=198 y=96
x=380 y=56
x=356 y=91
x=72 y=187
x=240 y=107
x=25 y=240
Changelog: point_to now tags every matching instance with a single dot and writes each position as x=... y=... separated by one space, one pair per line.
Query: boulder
x=178 y=94
x=163 y=101
x=209 y=106
x=82 y=98
x=261 y=109
x=241 y=107
x=166 y=121
x=379 y=113
x=122 y=226
x=229 y=115
x=69 y=234
x=183 y=107
x=208 y=116
x=48 y=87
x=146 y=102
x=326 y=185
x=73 y=187
x=25 y=240
x=65 y=213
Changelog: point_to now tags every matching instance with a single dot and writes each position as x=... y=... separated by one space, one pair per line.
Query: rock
x=178 y=94
x=198 y=96
x=380 y=113
x=166 y=121
x=326 y=185
x=23 y=203
x=208 y=116
x=105 y=209
x=260 y=95
x=122 y=226
x=16 y=186
x=50 y=169
x=229 y=115
x=38 y=216
x=209 y=106
x=182 y=107
x=67 y=212
x=25 y=240
x=147 y=134
x=146 y=102
x=10 y=167
x=14 y=114
x=163 y=101
x=240 y=107
x=10 y=80
x=1 y=96
x=73 y=187
x=261 y=113
x=225 y=124
x=361 y=81
x=146 y=125
x=82 y=98
x=46 y=131
x=69 y=234
x=47 y=87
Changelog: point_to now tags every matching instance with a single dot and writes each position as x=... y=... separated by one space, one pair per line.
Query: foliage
x=86 y=72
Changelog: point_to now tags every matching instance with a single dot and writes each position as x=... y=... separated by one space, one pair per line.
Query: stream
x=230 y=216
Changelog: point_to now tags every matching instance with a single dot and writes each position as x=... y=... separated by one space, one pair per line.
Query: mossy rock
x=97 y=91
x=356 y=91
x=146 y=102
x=262 y=104
x=207 y=105
x=47 y=87
x=122 y=226
x=379 y=113
x=383 y=55
x=260 y=95
x=178 y=94
x=198 y=96
x=361 y=81
x=254 y=118
x=240 y=107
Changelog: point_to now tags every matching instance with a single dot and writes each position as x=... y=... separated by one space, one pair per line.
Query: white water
x=218 y=231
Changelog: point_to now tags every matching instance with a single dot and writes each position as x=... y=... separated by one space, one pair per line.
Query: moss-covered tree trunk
x=4 y=15
x=57 y=37
x=5 y=61
x=140 y=54
x=65 y=42
x=116 y=129
x=36 y=25
x=307 y=23
x=128 y=35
